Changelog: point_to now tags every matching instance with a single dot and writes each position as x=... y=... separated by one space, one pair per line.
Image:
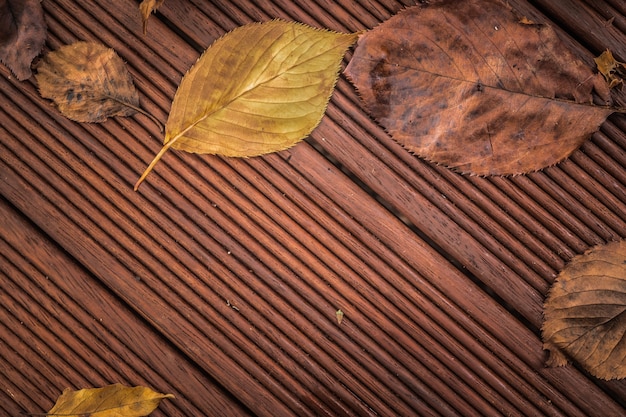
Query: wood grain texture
x=235 y=268
x=67 y=328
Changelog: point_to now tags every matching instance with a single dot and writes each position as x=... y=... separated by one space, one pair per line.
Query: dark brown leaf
x=22 y=35
x=8 y=26
x=467 y=85
x=585 y=313
x=88 y=82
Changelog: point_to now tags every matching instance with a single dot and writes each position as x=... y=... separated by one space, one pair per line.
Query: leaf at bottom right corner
x=585 y=313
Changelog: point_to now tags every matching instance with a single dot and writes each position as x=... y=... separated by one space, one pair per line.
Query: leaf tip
x=556 y=358
x=156 y=159
x=145 y=174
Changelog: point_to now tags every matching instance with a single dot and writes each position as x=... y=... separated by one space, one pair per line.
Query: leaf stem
x=148 y=115
x=140 y=110
x=153 y=163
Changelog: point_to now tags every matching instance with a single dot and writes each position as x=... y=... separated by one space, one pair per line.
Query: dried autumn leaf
x=146 y=8
x=112 y=401
x=88 y=82
x=22 y=34
x=465 y=84
x=339 y=315
x=526 y=21
x=259 y=89
x=612 y=70
x=585 y=313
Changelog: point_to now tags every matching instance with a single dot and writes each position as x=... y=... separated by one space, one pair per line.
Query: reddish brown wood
x=586 y=23
x=71 y=331
x=224 y=275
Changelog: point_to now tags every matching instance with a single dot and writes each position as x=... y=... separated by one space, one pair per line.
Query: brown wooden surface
x=219 y=280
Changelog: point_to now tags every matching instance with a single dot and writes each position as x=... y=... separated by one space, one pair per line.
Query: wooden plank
x=241 y=264
x=67 y=330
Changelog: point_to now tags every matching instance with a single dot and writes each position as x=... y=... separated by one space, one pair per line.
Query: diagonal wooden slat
x=233 y=269
x=73 y=331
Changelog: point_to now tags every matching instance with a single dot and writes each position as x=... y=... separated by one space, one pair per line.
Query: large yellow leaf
x=259 y=89
x=112 y=401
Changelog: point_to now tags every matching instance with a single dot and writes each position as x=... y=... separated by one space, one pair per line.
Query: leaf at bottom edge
x=114 y=400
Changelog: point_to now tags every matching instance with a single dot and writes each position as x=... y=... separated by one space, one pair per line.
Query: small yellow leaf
x=259 y=89
x=339 y=315
x=612 y=70
x=112 y=401
x=526 y=21
x=145 y=8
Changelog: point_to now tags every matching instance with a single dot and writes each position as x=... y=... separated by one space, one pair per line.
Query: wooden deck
x=219 y=280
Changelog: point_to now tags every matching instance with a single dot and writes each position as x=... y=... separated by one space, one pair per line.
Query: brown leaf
x=111 y=401
x=22 y=34
x=8 y=26
x=585 y=312
x=88 y=82
x=145 y=8
x=612 y=70
x=465 y=84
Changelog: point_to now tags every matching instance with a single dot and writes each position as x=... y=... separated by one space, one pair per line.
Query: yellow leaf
x=112 y=401
x=611 y=69
x=259 y=89
x=145 y=8
x=339 y=315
